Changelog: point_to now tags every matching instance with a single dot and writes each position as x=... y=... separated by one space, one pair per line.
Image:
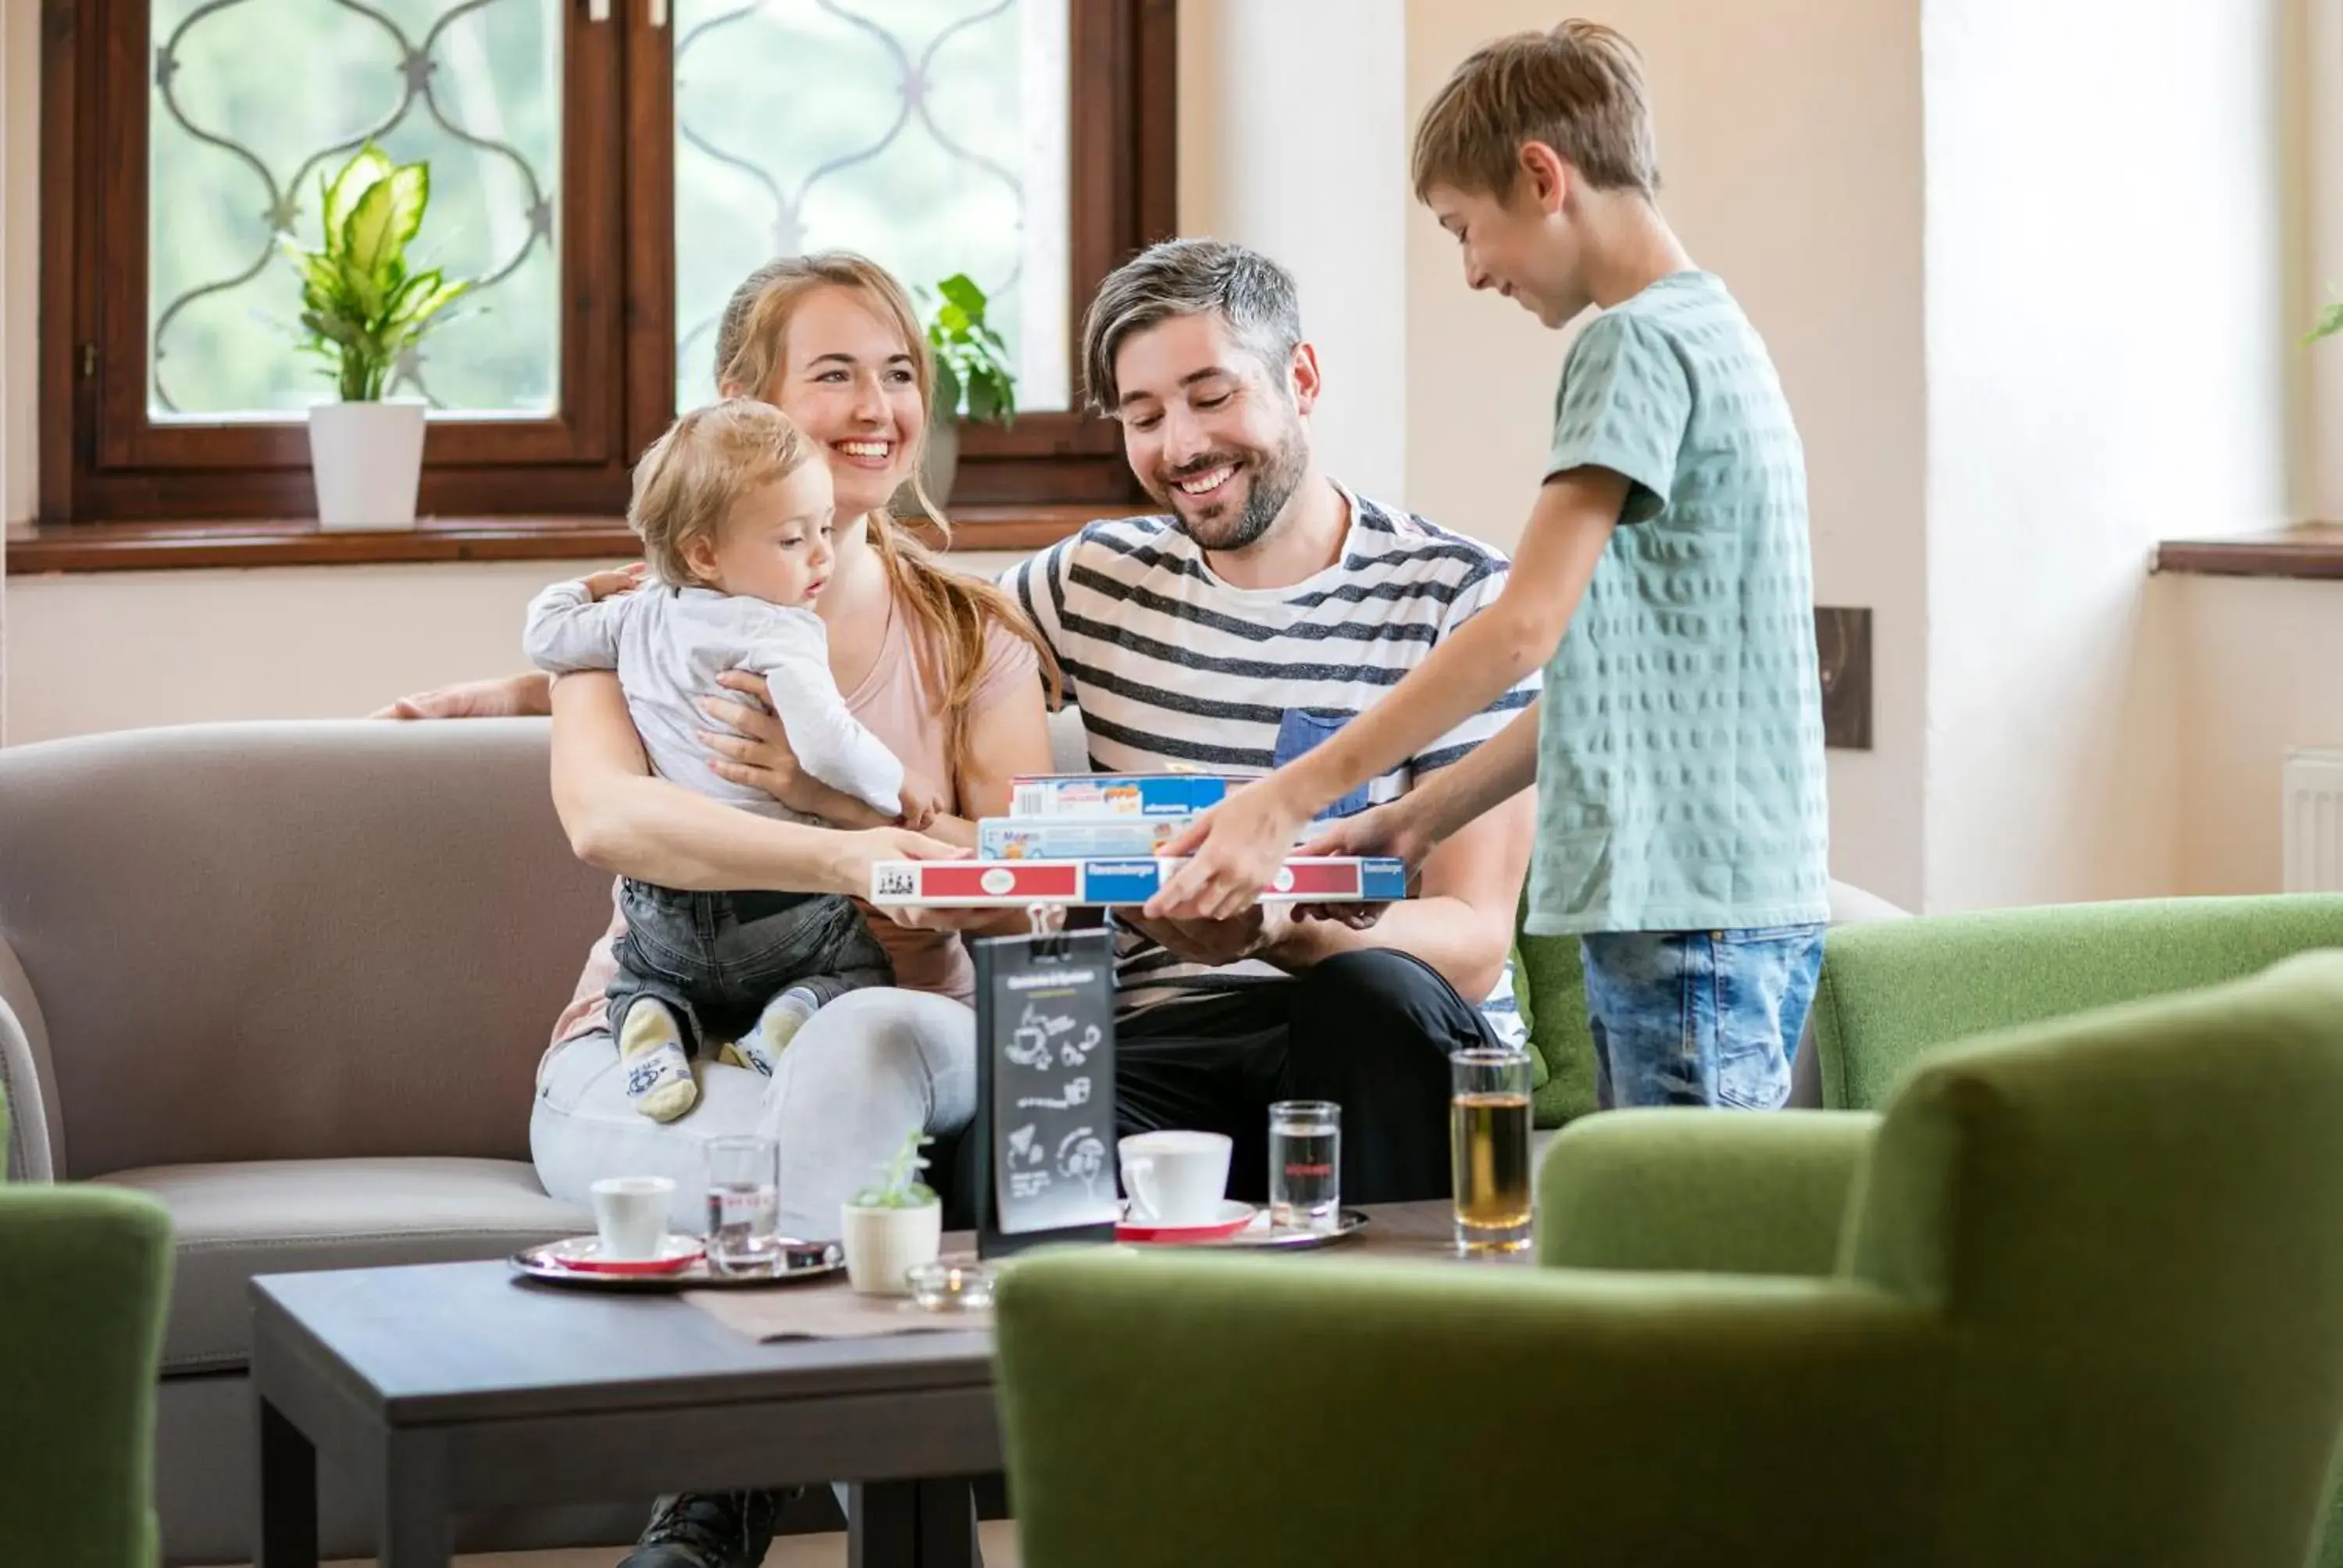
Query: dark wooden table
x=461 y=1385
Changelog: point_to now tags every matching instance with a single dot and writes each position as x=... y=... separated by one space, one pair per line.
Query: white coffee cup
x=630 y=1214
x=1175 y=1177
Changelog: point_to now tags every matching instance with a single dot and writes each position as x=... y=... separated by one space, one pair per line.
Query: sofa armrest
x=33 y=1151
x=1717 y=1191
x=85 y=1276
x=1167 y=1410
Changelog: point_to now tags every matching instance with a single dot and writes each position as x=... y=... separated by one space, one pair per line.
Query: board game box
x=964 y=883
x=1118 y=794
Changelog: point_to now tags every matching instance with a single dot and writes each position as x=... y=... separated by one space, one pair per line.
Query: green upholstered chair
x=85 y=1272
x=1892 y=991
x=2071 y=1299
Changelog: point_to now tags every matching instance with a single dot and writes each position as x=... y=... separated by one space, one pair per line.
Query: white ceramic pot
x=884 y=1244
x=366 y=459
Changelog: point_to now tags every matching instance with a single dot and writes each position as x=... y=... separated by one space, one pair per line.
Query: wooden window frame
x=103 y=461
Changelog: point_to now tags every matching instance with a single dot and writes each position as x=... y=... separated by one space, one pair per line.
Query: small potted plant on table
x=893 y=1227
x=362 y=309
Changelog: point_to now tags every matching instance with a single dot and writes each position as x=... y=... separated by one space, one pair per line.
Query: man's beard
x=1271 y=478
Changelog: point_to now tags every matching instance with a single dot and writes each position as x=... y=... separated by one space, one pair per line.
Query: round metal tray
x=801 y=1261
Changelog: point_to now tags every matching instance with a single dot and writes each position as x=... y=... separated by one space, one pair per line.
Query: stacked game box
x=1097 y=838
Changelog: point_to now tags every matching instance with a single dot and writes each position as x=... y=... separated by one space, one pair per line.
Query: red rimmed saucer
x=582 y=1255
x=1232 y=1218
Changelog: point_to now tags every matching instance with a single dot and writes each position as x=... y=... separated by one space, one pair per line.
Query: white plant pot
x=366 y=459
x=884 y=1244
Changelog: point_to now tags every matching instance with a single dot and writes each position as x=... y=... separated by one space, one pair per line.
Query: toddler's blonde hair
x=691 y=477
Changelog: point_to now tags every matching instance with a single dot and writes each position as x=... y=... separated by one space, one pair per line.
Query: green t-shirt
x=1680 y=747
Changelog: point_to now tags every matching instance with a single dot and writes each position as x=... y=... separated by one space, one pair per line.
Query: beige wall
x=2101 y=375
x=1790 y=150
x=2261 y=671
x=1315 y=178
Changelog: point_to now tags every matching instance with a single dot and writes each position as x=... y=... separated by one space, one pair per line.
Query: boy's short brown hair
x=1578 y=89
x=687 y=482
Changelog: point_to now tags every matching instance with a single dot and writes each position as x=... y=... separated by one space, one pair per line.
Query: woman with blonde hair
x=938 y=665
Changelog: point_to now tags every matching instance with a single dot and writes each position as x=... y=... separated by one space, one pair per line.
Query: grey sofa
x=292 y=979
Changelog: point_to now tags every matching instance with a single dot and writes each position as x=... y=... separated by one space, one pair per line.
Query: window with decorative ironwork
x=606 y=170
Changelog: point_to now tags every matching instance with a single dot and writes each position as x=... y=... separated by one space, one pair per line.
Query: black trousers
x=1370 y=1031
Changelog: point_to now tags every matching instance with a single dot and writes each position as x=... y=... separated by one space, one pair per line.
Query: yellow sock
x=658 y=1074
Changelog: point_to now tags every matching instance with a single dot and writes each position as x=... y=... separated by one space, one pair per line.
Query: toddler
x=733 y=505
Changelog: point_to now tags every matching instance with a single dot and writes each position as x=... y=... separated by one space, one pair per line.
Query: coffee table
x=461 y=1385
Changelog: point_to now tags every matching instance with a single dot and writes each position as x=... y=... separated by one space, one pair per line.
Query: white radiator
x=2314 y=821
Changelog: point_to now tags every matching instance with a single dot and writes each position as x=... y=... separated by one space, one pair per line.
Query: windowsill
x=178 y=547
x=2313 y=551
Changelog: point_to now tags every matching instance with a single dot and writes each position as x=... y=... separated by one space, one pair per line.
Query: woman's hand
x=626 y=579
x=753 y=747
x=509 y=696
x=857 y=852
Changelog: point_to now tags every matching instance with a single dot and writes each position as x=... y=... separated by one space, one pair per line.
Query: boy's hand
x=1390 y=830
x=923 y=802
x=1233 y=851
x=626 y=579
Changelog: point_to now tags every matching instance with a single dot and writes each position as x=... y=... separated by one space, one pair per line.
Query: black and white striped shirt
x=1174 y=667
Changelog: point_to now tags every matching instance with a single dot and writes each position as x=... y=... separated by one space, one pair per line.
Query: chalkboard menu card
x=1044 y=1090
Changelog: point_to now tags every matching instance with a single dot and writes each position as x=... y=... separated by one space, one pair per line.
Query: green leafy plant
x=898 y=1184
x=2330 y=322
x=360 y=305
x=972 y=376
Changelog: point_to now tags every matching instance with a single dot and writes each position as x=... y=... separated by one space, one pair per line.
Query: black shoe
x=709 y=1530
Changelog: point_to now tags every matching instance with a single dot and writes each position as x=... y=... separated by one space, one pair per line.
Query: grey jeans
x=716 y=959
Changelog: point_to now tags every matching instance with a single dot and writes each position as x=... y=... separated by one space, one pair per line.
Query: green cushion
x=1893 y=990
x=1551 y=987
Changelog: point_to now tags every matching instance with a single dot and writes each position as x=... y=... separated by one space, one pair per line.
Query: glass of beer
x=1489 y=1143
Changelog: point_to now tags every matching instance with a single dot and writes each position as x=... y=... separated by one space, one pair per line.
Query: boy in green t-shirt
x=1663 y=582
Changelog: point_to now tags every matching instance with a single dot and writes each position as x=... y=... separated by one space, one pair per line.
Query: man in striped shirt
x=1265 y=610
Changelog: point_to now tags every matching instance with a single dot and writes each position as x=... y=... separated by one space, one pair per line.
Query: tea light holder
x=951 y=1285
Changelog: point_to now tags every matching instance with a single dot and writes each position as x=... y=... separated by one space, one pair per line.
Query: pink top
x=894 y=703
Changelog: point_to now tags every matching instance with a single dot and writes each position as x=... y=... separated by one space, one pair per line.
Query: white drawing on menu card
x=1029 y=1042
x=1078 y=1093
x=1076 y=1052
x=1022 y=1147
x=1082 y=1157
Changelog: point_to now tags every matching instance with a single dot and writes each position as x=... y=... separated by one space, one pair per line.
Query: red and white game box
x=965 y=883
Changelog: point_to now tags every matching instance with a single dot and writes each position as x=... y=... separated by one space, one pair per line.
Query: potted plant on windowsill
x=972 y=380
x=893 y=1227
x=362 y=309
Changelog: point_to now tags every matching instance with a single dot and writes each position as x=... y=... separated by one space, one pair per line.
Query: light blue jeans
x=1699 y=1018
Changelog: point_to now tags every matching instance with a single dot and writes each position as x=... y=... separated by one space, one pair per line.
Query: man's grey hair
x=1252 y=294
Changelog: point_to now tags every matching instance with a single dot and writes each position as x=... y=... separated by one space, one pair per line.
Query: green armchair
x=85 y=1272
x=1893 y=991
x=2080 y=1309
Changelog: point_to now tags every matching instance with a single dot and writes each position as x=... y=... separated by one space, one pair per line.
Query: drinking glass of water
x=744 y=1201
x=1305 y=1165
x=1489 y=1143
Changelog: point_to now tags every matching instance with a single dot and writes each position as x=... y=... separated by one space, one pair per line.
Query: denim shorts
x=1699 y=1018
